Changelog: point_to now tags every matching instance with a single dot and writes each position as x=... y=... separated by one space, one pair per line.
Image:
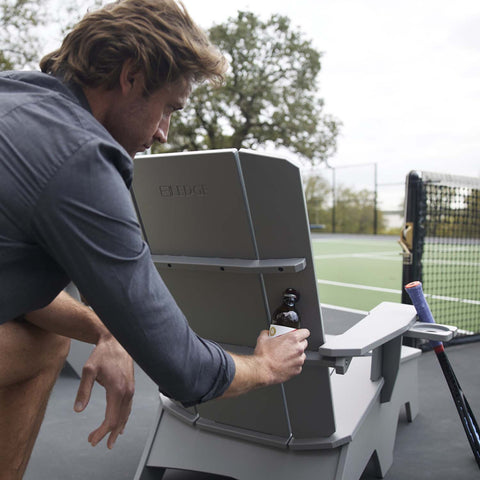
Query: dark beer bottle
x=285 y=318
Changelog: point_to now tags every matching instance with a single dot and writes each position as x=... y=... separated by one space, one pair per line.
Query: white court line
x=338 y=241
x=390 y=290
x=451 y=262
x=394 y=257
x=361 y=287
x=375 y=256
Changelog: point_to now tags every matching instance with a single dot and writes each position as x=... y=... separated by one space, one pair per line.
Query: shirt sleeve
x=85 y=220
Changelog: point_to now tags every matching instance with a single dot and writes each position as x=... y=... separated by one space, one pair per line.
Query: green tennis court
x=357 y=271
x=452 y=268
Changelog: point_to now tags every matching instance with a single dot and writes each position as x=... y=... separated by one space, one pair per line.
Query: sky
x=403 y=77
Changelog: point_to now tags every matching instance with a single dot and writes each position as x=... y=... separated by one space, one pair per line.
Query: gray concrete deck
x=433 y=447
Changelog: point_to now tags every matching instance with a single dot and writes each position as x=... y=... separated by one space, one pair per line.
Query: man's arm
x=113 y=269
x=275 y=360
x=109 y=364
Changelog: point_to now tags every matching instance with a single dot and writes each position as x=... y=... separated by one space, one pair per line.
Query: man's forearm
x=248 y=376
x=65 y=316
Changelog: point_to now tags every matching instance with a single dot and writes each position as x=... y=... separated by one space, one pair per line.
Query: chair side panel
x=275 y=195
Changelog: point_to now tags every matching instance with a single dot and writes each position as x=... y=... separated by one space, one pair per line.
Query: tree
x=317 y=195
x=472 y=202
x=19 y=39
x=354 y=211
x=24 y=26
x=72 y=11
x=269 y=98
x=453 y=211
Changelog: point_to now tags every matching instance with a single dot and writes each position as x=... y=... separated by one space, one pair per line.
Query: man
x=67 y=139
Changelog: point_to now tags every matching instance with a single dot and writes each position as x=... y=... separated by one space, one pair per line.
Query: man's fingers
x=112 y=419
x=112 y=438
x=283 y=356
x=128 y=410
x=117 y=412
x=99 y=434
x=302 y=333
x=123 y=418
x=84 y=389
x=125 y=413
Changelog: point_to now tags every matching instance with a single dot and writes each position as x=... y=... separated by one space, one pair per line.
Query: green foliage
x=19 y=40
x=354 y=209
x=453 y=212
x=269 y=98
x=317 y=196
x=25 y=25
x=74 y=10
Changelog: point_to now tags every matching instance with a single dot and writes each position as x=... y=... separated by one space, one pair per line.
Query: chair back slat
x=239 y=205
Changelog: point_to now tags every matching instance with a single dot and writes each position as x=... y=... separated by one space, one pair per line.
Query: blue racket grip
x=415 y=292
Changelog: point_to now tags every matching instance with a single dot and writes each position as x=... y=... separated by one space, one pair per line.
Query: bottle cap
x=291 y=293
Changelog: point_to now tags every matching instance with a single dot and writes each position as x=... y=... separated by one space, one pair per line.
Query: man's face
x=136 y=121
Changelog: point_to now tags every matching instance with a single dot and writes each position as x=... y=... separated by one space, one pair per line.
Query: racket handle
x=415 y=292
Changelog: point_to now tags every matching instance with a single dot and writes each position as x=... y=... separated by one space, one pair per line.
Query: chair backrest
x=229 y=233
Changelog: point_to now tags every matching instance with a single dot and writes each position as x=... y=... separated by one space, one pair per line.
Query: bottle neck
x=289 y=301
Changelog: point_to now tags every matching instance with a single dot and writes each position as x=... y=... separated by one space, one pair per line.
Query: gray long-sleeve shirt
x=66 y=214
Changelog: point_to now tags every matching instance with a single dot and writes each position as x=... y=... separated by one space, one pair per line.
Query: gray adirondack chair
x=228 y=232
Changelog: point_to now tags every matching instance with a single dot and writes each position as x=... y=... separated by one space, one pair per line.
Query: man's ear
x=129 y=78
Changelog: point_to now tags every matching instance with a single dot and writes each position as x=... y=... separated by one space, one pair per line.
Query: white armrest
x=384 y=323
x=432 y=331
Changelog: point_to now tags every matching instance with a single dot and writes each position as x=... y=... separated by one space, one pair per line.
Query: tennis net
x=441 y=243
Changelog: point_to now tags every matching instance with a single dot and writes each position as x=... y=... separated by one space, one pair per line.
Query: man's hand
x=111 y=366
x=282 y=357
x=275 y=360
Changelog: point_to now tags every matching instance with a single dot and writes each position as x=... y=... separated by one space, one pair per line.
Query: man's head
x=136 y=61
x=157 y=37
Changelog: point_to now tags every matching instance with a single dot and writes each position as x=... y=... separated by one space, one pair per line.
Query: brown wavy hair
x=159 y=36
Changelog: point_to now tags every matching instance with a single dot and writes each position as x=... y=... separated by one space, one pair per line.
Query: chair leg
x=152 y=473
x=411 y=409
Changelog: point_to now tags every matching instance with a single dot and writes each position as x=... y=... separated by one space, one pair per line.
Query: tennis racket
x=415 y=292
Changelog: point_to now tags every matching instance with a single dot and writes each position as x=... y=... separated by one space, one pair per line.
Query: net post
x=413 y=233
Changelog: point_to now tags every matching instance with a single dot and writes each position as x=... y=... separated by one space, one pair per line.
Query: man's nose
x=161 y=135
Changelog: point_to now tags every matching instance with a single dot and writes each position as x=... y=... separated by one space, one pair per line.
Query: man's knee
x=52 y=349
x=57 y=349
x=27 y=351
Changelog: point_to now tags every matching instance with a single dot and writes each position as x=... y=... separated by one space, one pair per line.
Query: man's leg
x=30 y=361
